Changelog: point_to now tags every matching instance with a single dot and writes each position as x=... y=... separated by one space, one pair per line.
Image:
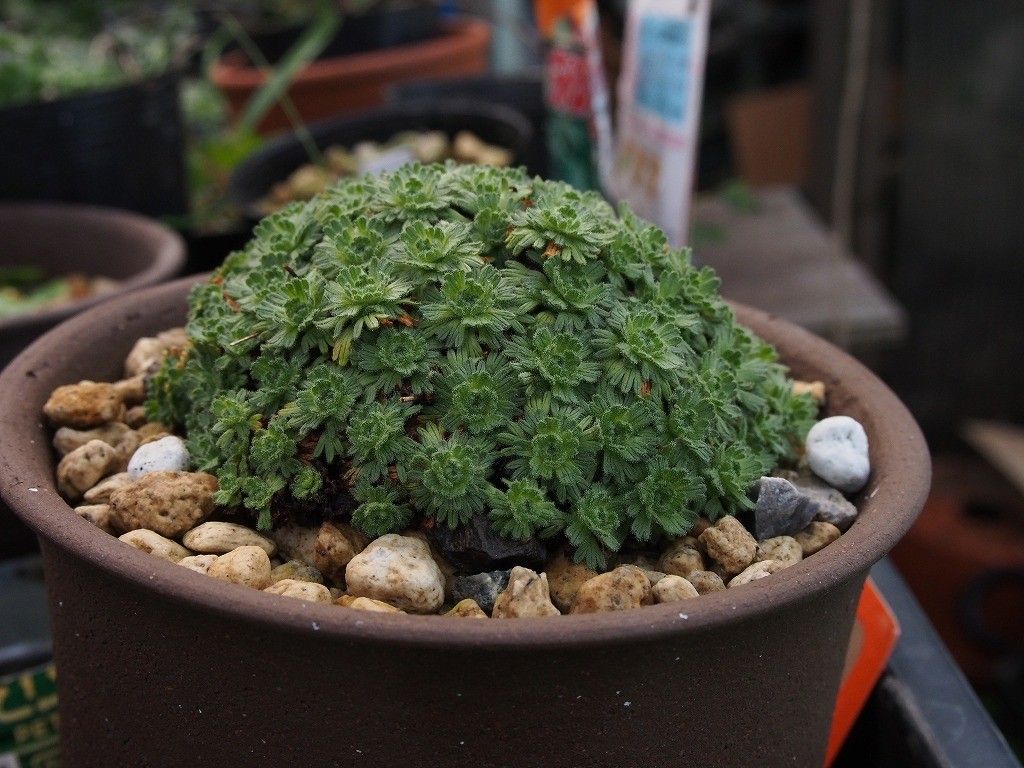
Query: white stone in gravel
x=167 y=454
x=837 y=452
x=398 y=570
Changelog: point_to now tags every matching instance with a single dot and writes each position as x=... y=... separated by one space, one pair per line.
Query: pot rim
x=888 y=506
x=167 y=250
x=233 y=71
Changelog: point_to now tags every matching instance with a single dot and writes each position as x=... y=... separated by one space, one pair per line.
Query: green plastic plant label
x=28 y=719
x=659 y=91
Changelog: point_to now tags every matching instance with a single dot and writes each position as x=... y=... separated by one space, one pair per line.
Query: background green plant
x=445 y=341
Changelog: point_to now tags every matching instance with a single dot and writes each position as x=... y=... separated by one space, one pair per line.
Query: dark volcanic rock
x=476 y=547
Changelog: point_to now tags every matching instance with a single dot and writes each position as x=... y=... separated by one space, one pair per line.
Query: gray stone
x=837 y=452
x=484 y=588
x=782 y=509
x=833 y=506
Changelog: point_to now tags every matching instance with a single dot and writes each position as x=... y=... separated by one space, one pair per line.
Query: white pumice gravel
x=837 y=452
x=168 y=454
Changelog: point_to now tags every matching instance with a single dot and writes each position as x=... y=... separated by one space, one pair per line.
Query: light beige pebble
x=67 y=439
x=126 y=448
x=296 y=542
x=816 y=389
x=719 y=571
x=699 y=527
x=218 y=538
x=622 y=589
x=653 y=576
x=643 y=560
x=729 y=544
x=153 y=543
x=706 y=582
x=681 y=557
x=446 y=568
x=248 y=566
x=785 y=550
x=300 y=590
x=467 y=609
x=198 y=563
x=174 y=339
x=398 y=570
x=673 y=588
x=759 y=570
x=148 y=353
x=366 y=604
x=169 y=503
x=467 y=146
x=152 y=431
x=144 y=357
x=84 y=467
x=564 y=580
x=499 y=157
x=100 y=493
x=334 y=547
x=97 y=514
x=132 y=390
x=525 y=595
x=296 y=570
x=817 y=536
x=83 y=405
x=136 y=416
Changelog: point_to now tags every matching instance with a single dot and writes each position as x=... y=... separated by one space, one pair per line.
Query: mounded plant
x=449 y=341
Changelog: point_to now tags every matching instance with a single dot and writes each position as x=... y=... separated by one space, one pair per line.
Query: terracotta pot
x=332 y=86
x=127 y=247
x=161 y=666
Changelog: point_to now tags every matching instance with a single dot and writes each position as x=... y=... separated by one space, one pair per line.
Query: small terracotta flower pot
x=61 y=239
x=340 y=84
x=162 y=666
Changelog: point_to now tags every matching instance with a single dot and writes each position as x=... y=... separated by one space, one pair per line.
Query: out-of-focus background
x=858 y=168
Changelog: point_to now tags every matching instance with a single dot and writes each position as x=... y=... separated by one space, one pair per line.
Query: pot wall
x=147 y=681
x=60 y=238
x=161 y=666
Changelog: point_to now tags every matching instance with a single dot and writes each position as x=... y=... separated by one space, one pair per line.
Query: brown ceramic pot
x=135 y=251
x=160 y=666
x=341 y=84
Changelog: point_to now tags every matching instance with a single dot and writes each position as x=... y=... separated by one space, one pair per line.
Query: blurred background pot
x=64 y=239
x=122 y=147
x=492 y=123
x=349 y=82
x=736 y=678
x=524 y=93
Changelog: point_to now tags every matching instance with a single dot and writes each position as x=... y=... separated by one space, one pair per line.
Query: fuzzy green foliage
x=445 y=341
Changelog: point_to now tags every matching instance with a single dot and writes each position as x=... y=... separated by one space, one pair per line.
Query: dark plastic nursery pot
x=121 y=147
x=161 y=666
x=61 y=239
x=493 y=123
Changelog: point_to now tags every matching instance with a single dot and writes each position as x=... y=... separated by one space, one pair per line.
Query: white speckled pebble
x=837 y=452
x=167 y=454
